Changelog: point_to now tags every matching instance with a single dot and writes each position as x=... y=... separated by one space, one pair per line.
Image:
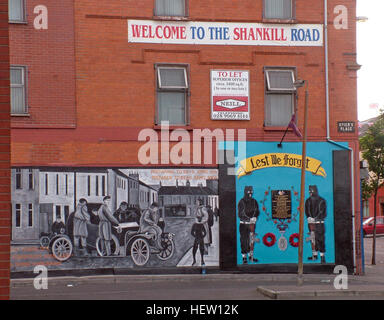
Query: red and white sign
x=229 y=95
x=224 y=33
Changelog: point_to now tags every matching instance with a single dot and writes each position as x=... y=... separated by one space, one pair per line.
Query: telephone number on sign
x=230 y=116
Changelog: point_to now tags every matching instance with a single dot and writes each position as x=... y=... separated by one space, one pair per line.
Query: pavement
x=268 y=286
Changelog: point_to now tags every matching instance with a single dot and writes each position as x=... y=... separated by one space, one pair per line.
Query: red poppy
x=294 y=240
x=269 y=239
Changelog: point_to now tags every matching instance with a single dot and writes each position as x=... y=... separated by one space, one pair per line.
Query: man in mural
x=149 y=223
x=248 y=214
x=202 y=211
x=124 y=214
x=316 y=212
x=58 y=226
x=80 y=231
x=198 y=232
x=105 y=225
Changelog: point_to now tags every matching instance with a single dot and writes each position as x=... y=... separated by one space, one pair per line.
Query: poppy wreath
x=269 y=239
x=293 y=241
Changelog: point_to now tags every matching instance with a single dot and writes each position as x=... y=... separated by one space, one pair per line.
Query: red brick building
x=100 y=74
x=5 y=197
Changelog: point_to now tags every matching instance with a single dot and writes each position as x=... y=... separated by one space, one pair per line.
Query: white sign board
x=224 y=33
x=230 y=95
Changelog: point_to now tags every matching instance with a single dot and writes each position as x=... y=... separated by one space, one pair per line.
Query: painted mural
x=67 y=218
x=268 y=199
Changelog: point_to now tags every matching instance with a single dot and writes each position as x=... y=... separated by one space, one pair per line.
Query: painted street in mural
x=114 y=218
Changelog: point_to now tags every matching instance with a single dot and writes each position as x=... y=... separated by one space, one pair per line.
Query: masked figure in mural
x=202 y=211
x=198 y=232
x=58 y=226
x=149 y=223
x=80 y=231
x=210 y=223
x=105 y=225
x=316 y=212
x=248 y=214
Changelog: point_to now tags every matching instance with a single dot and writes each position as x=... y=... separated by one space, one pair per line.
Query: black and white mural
x=67 y=218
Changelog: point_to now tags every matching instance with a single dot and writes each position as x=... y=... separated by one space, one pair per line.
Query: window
x=66 y=184
x=46 y=184
x=30 y=215
x=172 y=94
x=16 y=10
x=18 y=215
x=278 y=9
x=97 y=186
x=30 y=179
x=170 y=8
x=103 y=185
x=279 y=96
x=18 y=179
x=89 y=185
x=57 y=184
x=18 y=90
x=57 y=213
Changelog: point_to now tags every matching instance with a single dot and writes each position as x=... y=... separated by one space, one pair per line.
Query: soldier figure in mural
x=202 y=211
x=80 y=233
x=198 y=232
x=149 y=223
x=106 y=220
x=248 y=214
x=316 y=212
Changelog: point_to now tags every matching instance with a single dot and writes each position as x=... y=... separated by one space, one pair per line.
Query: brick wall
x=49 y=57
x=5 y=197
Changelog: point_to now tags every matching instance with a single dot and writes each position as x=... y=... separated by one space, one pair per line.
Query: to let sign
x=346 y=126
x=229 y=95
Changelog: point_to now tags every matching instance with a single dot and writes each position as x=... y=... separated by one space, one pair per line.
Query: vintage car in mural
x=126 y=241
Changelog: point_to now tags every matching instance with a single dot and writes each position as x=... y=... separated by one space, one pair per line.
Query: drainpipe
x=328 y=131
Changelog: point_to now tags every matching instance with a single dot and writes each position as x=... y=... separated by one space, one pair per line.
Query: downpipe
x=328 y=131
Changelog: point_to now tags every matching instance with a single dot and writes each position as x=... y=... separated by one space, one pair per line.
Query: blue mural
x=268 y=199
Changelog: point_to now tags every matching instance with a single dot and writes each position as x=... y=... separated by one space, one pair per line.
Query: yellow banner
x=270 y=160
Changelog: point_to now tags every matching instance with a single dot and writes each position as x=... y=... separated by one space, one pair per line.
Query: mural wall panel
x=94 y=218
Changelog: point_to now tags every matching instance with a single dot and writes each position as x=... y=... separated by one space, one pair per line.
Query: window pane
x=278 y=9
x=278 y=109
x=171 y=107
x=172 y=78
x=170 y=8
x=16 y=76
x=17 y=100
x=18 y=215
x=280 y=80
x=16 y=12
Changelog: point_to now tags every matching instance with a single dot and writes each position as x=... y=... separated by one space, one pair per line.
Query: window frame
x=268 y=91
x=24 y=77
x=291 y=19
x=30 y=223
x=186 y=90
x=18 y=179
x=24 y=14
x=163 y=17
x=20 y=211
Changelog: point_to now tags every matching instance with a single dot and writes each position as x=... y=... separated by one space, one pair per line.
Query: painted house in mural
x=182 y=200
x=222 y=71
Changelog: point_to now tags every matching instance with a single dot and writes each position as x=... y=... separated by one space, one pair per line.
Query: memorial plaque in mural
x=281 y=204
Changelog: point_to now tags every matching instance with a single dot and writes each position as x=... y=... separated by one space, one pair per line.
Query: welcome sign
x=224 y=33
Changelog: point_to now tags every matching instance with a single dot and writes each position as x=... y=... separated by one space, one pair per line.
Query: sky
x=370 y=54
